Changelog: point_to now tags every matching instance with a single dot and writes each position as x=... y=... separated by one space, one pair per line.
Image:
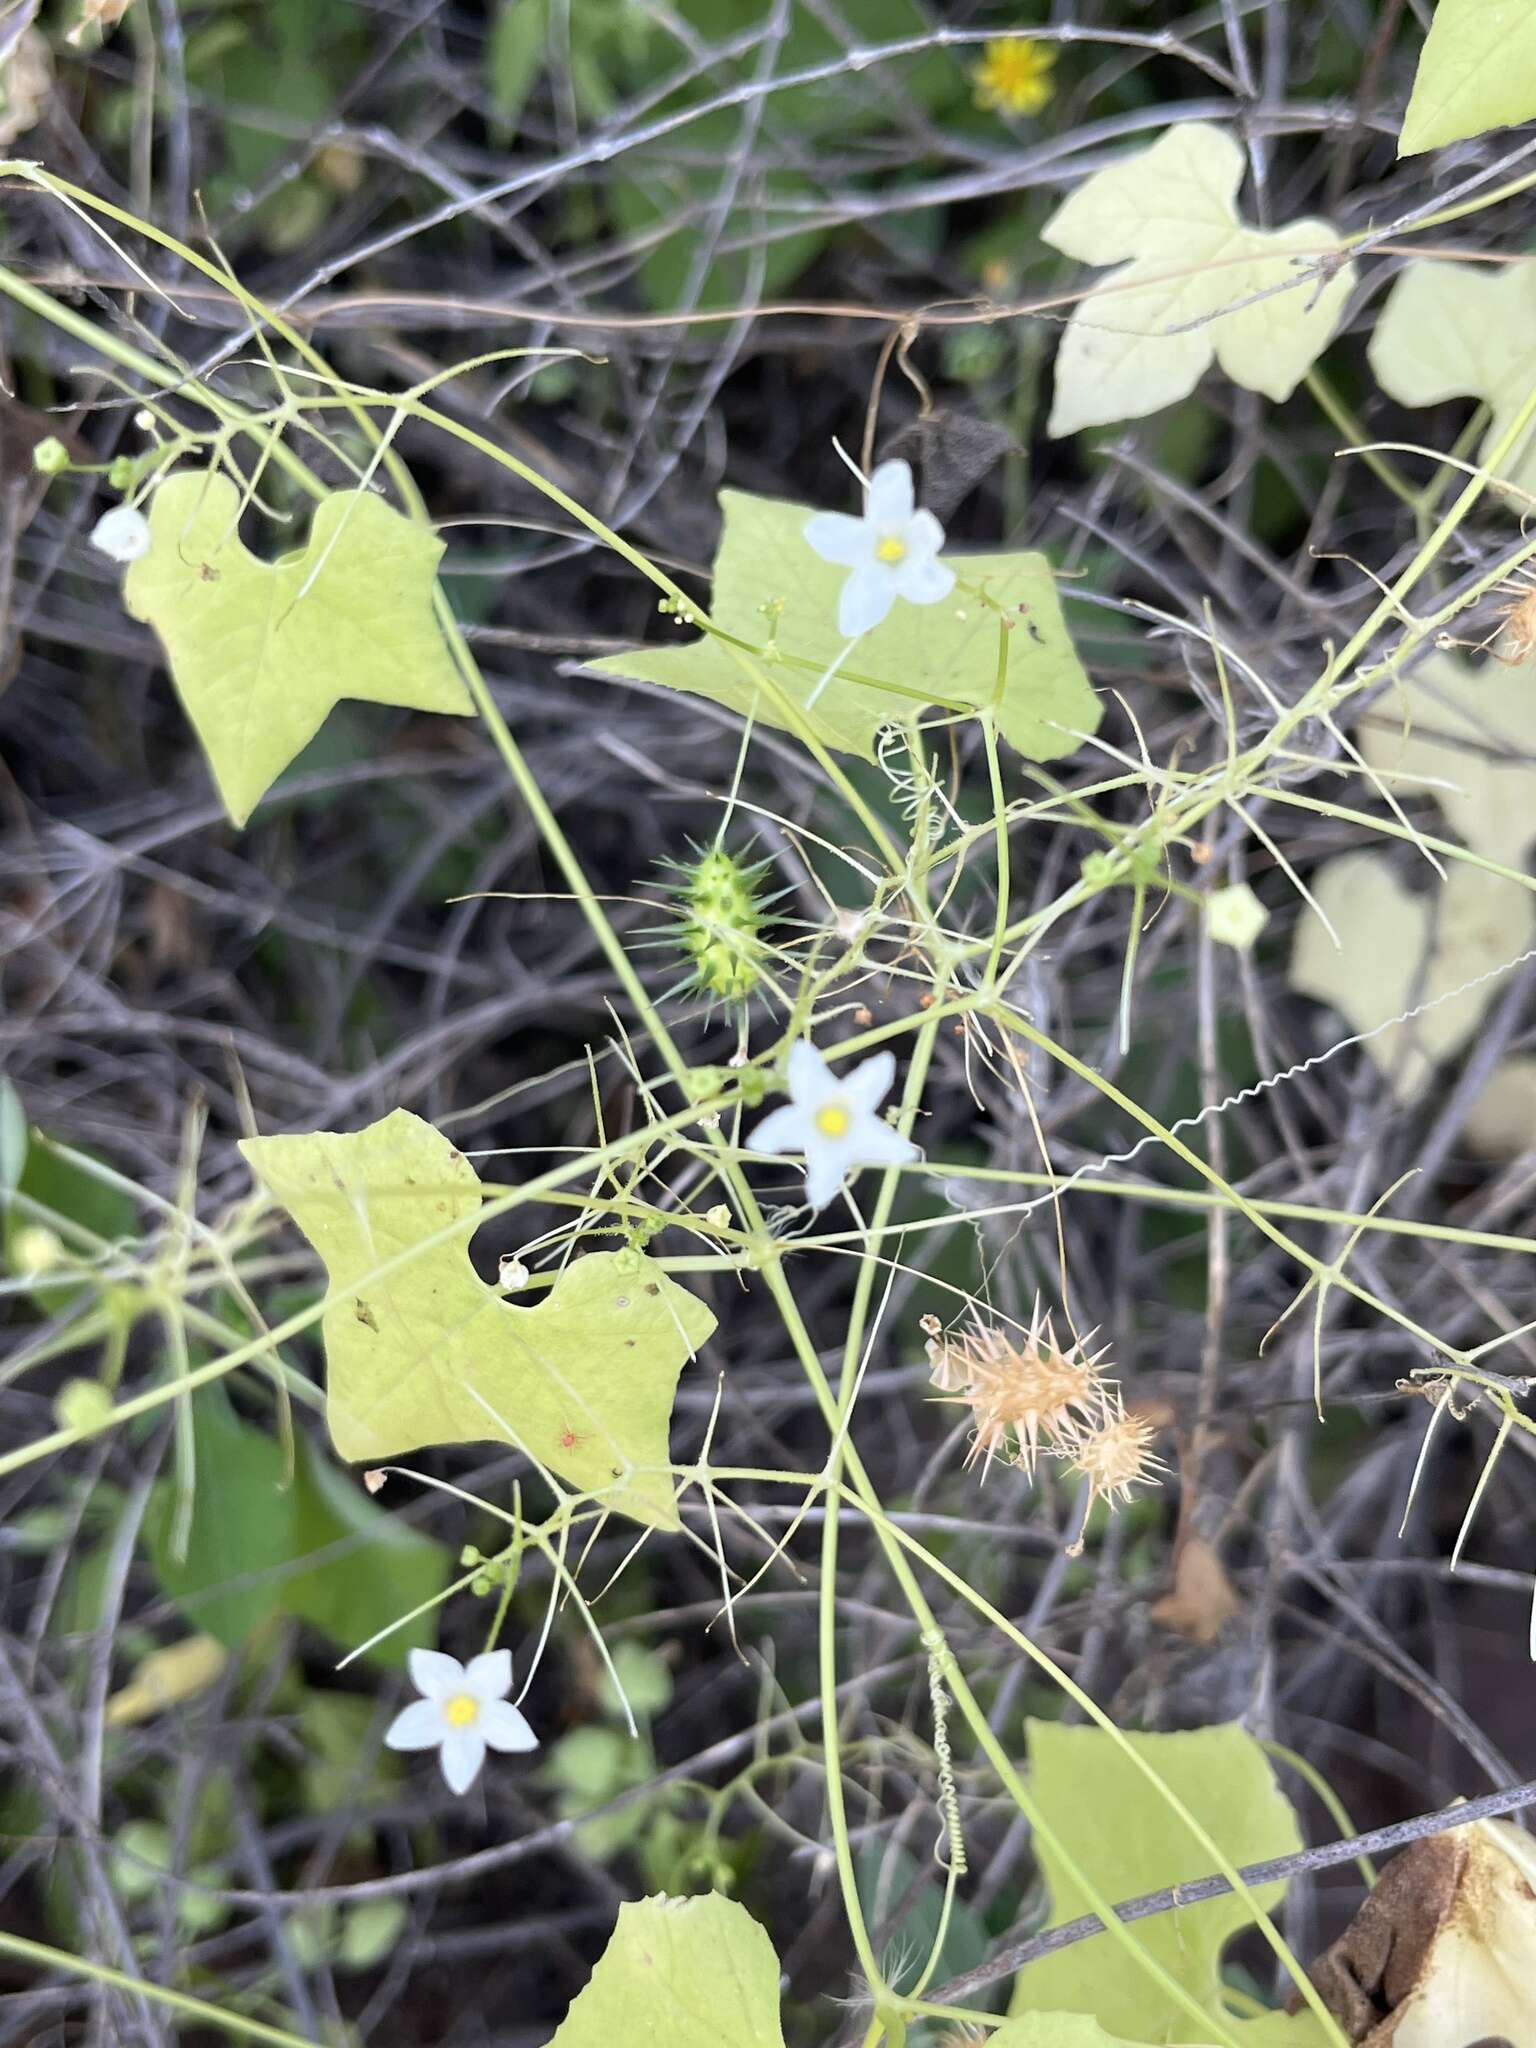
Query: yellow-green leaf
x=1501 y=1124
x=1063 y=2030
x=773 y=592
x=427 y=1353
x=1464 y=330
x=1195 y=282
x=1129 y=1840
x=166 y=1678
x=1477 y=71
x=1397 y=952
x=680 y=1973
x=260 y=652
x=1467 y=738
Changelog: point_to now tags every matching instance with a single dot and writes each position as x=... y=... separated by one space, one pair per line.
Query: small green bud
x=972 y=354
x=719 y=926
x=122 y=473
x=1235 y=916
x=82 y=1404
x=50 y=457
x=1099 y=869
x=36 y=1250
x=470 y=1555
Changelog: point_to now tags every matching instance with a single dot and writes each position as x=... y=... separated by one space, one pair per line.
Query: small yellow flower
x=1013 y=76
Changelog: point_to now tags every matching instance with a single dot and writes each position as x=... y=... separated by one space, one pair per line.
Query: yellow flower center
x=891 y=549
x=461 y=1710
x=833 y=1120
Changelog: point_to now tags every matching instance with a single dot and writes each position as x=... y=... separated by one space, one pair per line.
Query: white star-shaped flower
x=121 y=533
x=463 y=1712
x=832 y=1119
x=892 y=551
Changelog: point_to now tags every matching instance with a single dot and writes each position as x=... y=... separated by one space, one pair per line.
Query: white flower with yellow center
x=833 y=1120
x=892 y=551
x=463 y=1711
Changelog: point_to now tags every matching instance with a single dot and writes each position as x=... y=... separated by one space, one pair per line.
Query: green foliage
x=1464 y=330
x=1385 y=950
x=887 y=1874
x=514 y=56
x=709 y=242
x=359 y=1937
x=342 y=1759
x=1063 y=2030
x=143 y=1853
x=260 y=1545
x=428 y=1354
x=260 y=652
x=587 y=1768
x=58 y=1191
x=1465 y=738
x=644 y=1683
x=593 y=1764
x=680 y=1973
x=1129 y=1840
x=249 y=60
x=1195 y=283
x=1477 y=71
x=772 y=593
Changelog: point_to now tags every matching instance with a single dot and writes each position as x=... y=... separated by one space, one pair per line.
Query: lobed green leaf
x=1129 y=1840
x=775 y=595
x=680 y=1973
x=429 y=1354
x=260 y=652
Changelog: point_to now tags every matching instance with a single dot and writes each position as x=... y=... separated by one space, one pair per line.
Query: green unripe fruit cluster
x=720 y=925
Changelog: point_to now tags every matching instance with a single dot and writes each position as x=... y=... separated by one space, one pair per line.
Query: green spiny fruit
x=720 y=912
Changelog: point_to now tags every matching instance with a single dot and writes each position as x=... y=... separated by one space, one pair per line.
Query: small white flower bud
x=122 y=534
